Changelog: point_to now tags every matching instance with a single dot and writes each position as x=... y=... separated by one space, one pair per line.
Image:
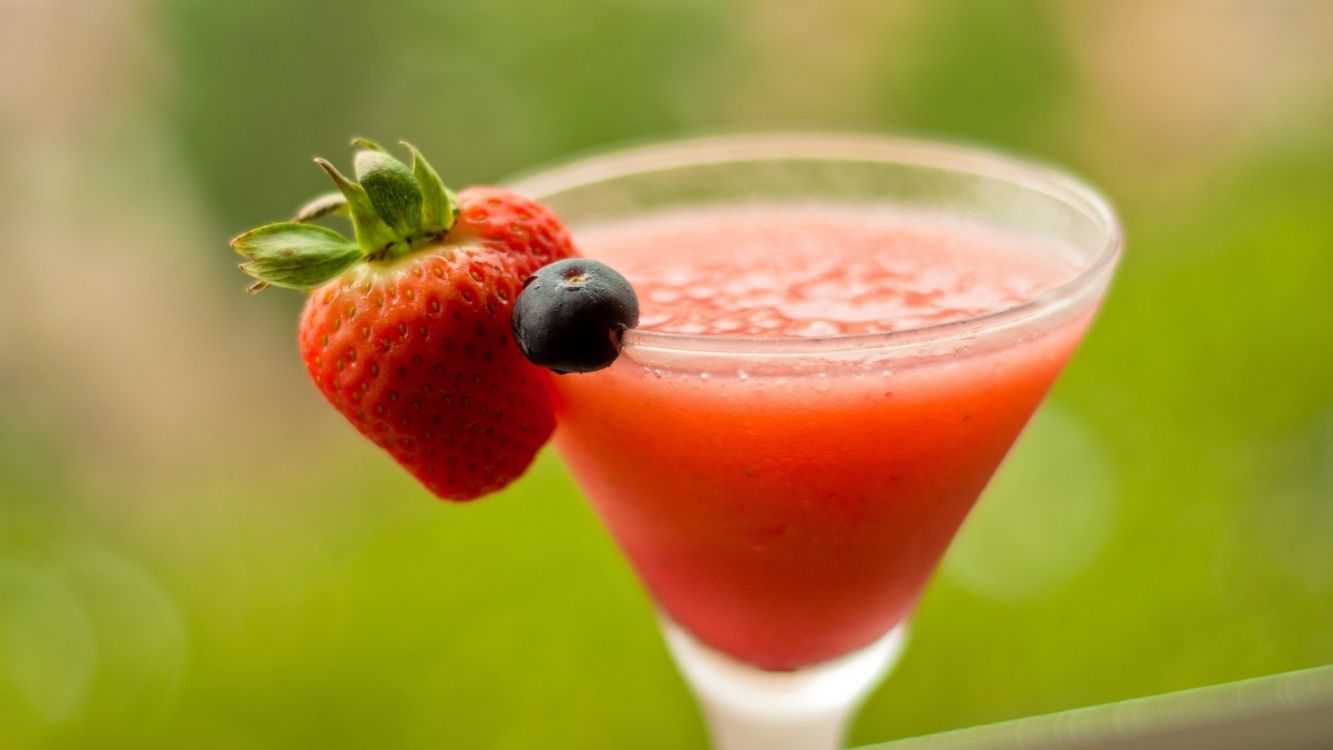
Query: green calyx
x=394 y=210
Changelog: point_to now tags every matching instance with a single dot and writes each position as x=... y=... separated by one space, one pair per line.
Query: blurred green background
x=195 y=552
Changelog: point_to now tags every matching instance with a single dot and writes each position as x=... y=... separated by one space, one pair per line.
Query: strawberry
x=406 y=331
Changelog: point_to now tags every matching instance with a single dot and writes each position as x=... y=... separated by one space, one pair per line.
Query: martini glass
x=784 y=499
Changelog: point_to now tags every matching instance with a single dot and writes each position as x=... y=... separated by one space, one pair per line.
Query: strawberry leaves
x=327 y=204
x=372 y=233
x=394 y=210
x=439 y=206
x=295 y=256
x=392 y=189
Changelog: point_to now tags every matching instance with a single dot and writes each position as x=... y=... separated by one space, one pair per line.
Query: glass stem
x=808 y=709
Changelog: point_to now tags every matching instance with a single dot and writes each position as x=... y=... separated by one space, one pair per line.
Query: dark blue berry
x=571 y=314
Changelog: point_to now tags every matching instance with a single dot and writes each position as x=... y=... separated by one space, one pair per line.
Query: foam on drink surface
x=818 y=270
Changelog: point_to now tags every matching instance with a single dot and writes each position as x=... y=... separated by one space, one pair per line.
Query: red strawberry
x=407 y=331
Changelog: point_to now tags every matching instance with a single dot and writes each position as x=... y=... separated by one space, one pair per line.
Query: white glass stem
x=750 y=709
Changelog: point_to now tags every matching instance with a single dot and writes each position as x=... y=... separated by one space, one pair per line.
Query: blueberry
x=571 y=314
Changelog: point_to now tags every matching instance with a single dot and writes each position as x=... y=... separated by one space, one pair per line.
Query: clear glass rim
x=702 y=150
